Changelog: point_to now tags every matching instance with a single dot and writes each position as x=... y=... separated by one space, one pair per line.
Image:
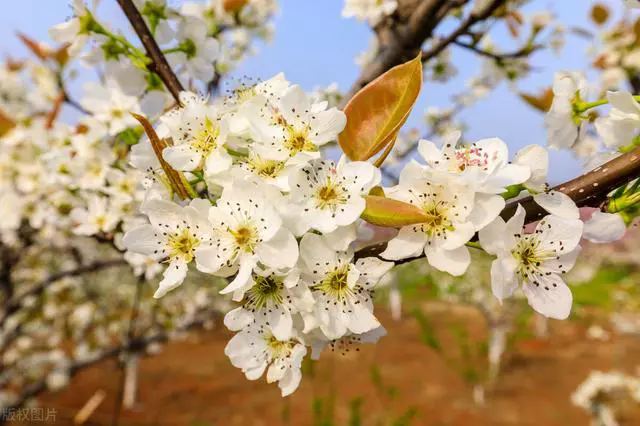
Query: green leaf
x=388 y=212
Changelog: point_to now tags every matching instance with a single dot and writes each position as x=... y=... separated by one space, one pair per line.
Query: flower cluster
x=269 y=211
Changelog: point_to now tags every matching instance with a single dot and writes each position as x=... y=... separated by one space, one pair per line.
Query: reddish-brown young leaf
x=177 y=180
x=376 y=113
x=541 y=101
x=36 y=48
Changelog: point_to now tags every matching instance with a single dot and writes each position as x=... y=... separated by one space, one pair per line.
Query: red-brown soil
x=192 y=383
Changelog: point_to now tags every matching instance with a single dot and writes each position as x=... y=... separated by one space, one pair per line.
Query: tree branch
x=401 y=41
x=137 y=345
x=463 y=29
x=14 y=304
x=590 y=189
x=159 y=62
x=522 y=52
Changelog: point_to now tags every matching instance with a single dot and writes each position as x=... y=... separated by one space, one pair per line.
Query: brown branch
x=590 y=189
x=401 y=40
x=522 y=52
x=463 y=29
x=14 y=304
x=137 y=345
x=159 y=62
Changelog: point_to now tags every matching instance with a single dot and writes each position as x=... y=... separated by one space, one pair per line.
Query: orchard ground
x=413 y=376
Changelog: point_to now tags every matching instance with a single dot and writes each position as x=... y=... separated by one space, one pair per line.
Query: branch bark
x=159 y=62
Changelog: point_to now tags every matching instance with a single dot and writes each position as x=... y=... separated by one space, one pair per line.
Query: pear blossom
x=99 y=216
x=622 y=124
x=371 y=10
x=443 y=236
x=75 y=31
x=604 y=227
x=557 y=203
x=273 y=298
x=197 y=50
x=482 y=166
x=198 y=136
x=346 y=343
x=111 y=106
x=342 y=289
x=246 y=229
x=294 y=124
x=562 y=122
x=255 y=349
x=332 y=195
x=156 y=13
x=173 y=235
x=536 y=158
x=536 y=260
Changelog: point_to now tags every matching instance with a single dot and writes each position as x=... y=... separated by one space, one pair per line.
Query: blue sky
x=314 y=47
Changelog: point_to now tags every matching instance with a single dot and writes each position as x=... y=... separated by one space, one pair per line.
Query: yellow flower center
x=246 y=238
x=183 y=244
x=206 y=140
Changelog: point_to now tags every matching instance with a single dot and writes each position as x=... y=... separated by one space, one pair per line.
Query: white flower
x=558 y=204
x=332 y=195
x=345 y=343
x=342 y=289
x=535 y=260
x=561 y=121
x=75 y=31
x=198 y=51
x=123 y=185
x=246 y=230
x=604 y=228
x=295 y=124
x=272 y=298
x=99 y=216
x=443 y=237
x=371 y=10
x=267 y=170
x=536 y=158
x=622 y=124
x=111 y=106
x=255 y=349
x=174 y=235
x=482 y=166
x=198 y=135
x=155 y=13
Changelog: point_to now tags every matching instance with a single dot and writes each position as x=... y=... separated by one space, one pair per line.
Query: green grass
x=599 y=290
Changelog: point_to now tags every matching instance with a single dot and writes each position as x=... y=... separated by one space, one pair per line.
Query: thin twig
x=522 y=52
x=34 y=389
x=14 y=304
x=463 y=29
x=159 y=62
